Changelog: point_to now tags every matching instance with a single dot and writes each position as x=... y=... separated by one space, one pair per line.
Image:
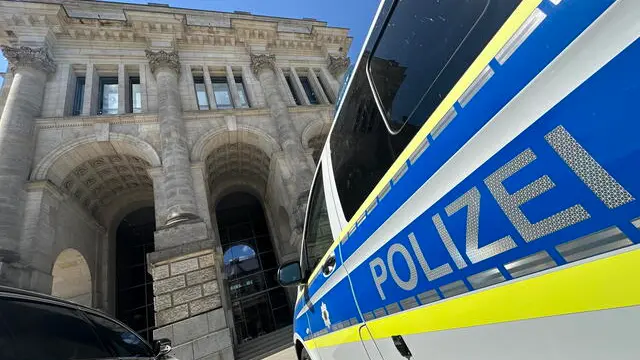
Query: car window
x=120 y=340
x=318 y=237
x=425 y=48
x=48 y=332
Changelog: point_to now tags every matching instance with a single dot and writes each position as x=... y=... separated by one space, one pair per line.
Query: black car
x=40 y=327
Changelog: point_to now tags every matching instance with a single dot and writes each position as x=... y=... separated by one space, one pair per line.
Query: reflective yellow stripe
x=503 y=35
x=606 y=283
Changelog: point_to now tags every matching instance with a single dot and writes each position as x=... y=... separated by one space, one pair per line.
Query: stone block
x=160 y=272
x=185 y=295
x=172 y=315
x=211 y=343
x=162 y=302
x=184 y=266
x=179 y=250
x=216 y=320
x=204 y=304
x=190 y=329
x=183 y=352
x=206 y=260
x=226 y=354
x=210 y=288
x=180 y=234
x=165 y=332
x=201 y=276
x=169 y=284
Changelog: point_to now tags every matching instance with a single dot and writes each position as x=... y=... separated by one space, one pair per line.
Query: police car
x=477 y=197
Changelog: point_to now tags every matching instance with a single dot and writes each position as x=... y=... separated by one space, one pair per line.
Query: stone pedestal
x=178 y=184
x=187 y=301
x=23 y=104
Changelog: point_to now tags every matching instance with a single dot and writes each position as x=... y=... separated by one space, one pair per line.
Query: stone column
x=178 y=184
x=338 y=66
x=264 y=68
x=30 y=67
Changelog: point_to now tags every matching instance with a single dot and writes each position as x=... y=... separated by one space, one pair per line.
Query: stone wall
x=188 y=304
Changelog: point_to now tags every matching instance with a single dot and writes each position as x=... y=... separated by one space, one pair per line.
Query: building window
x=221 y=92
x=78 y=97
x=201 y=93
x=324 y=89
x=135 y=95
x=108 y=96
x=308 y=89
x=292 y=89
x=242 y=94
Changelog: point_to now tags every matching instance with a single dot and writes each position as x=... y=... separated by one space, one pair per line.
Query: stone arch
x=314 y=136
x=215 y=138
x=98 y=173
x=314 y=129
x=72 y=278
x=67 y=156
x=242 y=156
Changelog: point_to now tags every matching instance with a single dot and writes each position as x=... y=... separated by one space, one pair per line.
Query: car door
x=329 y=304
x=47 y=331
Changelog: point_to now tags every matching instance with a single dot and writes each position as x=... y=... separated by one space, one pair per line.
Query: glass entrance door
x=260 y=305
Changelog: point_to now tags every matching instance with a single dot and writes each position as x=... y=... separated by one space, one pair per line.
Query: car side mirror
x=162 y=347
x=290 y=274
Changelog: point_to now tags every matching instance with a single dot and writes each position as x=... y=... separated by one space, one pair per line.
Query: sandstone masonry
x=109 y=108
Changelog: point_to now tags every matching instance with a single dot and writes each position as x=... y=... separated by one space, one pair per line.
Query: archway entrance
x=72 y=278
x=259 y=304
x=134 y=300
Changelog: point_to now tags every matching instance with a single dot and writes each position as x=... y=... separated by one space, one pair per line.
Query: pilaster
x=209 y=87
x=322 y=97
x=233 y=88
x=297 y=84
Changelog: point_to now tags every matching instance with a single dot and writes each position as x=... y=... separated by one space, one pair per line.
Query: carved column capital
x=159 y=59
x=338 y=65
x=261 y=62
x=36 y=58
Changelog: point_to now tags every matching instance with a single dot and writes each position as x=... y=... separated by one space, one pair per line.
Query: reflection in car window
x=424 y=50
x=318 y=237
x=48 y=332
x=123 y=342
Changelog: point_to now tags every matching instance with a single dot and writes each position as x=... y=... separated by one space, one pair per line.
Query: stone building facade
x=155 y=162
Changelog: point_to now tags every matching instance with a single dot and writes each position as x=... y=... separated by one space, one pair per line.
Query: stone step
x=265 y=345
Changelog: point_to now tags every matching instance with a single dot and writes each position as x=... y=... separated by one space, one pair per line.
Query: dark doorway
x=134 y=302
x=260 y=305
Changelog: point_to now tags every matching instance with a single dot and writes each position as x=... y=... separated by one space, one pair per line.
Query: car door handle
x=329 y=265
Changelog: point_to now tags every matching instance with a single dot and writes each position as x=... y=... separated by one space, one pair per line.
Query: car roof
x=33 y=294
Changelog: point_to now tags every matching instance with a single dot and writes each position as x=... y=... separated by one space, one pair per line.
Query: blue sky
x=353 y=14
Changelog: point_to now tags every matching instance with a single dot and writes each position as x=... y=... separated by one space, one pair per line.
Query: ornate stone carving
x=36 y=58
x=158 y=59
x=338 y=64
x=262 y=61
